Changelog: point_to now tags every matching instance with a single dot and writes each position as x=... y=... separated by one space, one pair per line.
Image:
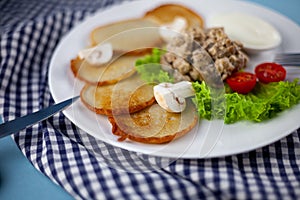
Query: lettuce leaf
x=264 y=102
x=150 y=69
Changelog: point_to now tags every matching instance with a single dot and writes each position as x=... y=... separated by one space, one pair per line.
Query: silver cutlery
x=13 y=126
x=288 y=59
x=291 y=62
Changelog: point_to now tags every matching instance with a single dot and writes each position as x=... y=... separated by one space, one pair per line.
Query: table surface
x=20 y=180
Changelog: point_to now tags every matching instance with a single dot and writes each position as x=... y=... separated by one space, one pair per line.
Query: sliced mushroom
x=171 y=97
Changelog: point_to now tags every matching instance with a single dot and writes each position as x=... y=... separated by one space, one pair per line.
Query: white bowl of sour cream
x=253 y=32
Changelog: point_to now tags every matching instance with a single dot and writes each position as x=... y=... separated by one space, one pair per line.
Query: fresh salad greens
x=262 y=103
x=150 y=69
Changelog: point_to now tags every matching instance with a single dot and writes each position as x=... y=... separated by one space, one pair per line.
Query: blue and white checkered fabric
x=30 y=31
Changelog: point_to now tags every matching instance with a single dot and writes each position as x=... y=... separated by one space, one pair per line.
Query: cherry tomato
x=270 y=72
x=242 y=82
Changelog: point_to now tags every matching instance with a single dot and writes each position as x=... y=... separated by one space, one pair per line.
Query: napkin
x=90 y=169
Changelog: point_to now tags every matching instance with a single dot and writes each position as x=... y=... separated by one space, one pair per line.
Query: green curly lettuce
x=264 y=102
x=149 y=68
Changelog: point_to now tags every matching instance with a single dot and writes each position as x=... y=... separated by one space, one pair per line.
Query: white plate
x=210 y=138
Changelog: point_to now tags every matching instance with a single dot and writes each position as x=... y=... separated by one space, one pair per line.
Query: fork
x=288 y=59
x=291 y=63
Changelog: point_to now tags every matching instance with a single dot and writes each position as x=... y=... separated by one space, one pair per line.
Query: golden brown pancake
x=166 y=13
x=134 y=36
x=154 y=124
x=127 y=96
x=109 y=73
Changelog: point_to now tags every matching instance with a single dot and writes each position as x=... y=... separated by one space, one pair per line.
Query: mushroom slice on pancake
x=127 y=96
x=154 y=124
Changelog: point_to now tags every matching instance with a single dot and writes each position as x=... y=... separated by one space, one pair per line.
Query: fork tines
x=288 y=59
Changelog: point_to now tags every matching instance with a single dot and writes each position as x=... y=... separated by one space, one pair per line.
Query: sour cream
x=254 y=33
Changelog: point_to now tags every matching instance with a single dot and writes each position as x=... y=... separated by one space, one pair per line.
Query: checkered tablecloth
x=30 y=31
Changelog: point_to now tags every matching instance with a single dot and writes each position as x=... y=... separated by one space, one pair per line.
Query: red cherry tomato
x=270 y=72
x=242 y=82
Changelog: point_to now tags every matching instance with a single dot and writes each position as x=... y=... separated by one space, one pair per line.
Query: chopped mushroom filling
x=203 y=55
